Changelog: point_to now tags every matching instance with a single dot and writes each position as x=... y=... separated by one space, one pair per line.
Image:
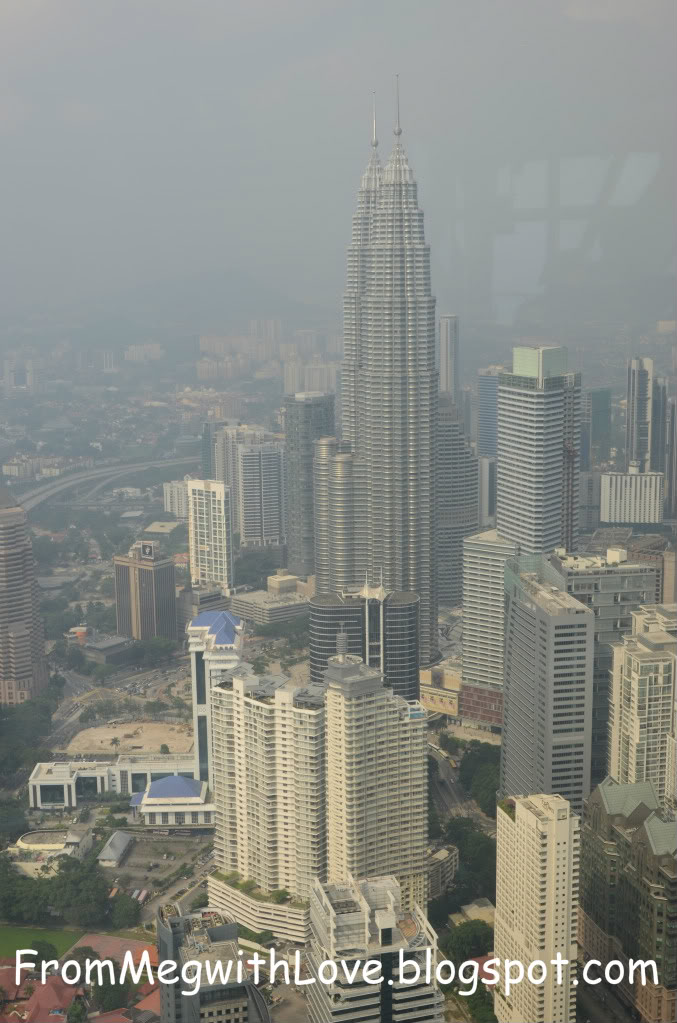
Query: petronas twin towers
x=380 y=480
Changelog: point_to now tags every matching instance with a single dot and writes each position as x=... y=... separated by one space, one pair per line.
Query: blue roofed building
x=215 y=645
x=174 y=801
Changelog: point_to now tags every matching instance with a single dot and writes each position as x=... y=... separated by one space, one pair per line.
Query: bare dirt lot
x=135 y=737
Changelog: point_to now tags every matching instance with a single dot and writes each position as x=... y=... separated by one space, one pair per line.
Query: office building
x=63 y=786
x=23 y=668
x=643 y=700
x=646 y=417
x=175 y=496
x=628 y=893
x=487 y=491
x=191 y=601
x=207 y=443
x=631 y=497
x=307 y=416
x=380 y=627
x=228 y=440
x=548 y=683
x=457 y=501
x=613 y=587
x=261 y=496
x=671 y=462
x=596 y=428
x=538 y=451
x=210 y=535
x=270 y=796
x=207 y=937
x=340 y=515
x=145 y=593
x=487 y=410
x=215 y=646
x=450 y=368
x=366 y=920
x=484 y=558
x=390 y=385
x=377 y=800
x=537 y=868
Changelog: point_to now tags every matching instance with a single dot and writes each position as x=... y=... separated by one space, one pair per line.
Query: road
x=32 y=498
x=451 y=800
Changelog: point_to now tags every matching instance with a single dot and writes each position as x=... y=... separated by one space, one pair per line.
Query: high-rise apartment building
x=632 y=497
x=643 y=700
x=538 y=450
x=270 y=798
x=613 y=587
x=175 y=496
x=215 y=646
x=487 y=409
x=377 y=800
x=628 y=893
x=457 y=501
x=210 y=535
x=646 y=416
x=548 y=681
x=450 y=365
x=537 y=867
x=23 y=668
x=596 y=427
x=484 y=558
x=207 y=444
x=365 y=920
x=145 y=593
x=261 y=495
x=227 y=443
x=390 y=384
x=380 y=627
x=307 y=416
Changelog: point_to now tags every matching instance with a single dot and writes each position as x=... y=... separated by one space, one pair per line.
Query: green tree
x=13 y=822
x=125 y=912
x=199 y=901
x=115 y=741
x=45 y=951
x=164 y=748
x=468 y=940
x=77 y=1013
x=260 y=665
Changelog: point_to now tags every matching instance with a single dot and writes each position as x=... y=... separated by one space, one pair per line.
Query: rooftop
x=662 y=835
x=222 y=626
x=262 y=598
x=552 y=599
x=624 y=799
x=115 y=846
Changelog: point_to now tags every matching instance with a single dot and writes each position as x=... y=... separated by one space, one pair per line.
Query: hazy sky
x=146 y=143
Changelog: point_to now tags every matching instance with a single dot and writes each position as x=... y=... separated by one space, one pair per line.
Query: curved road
x=32 y=498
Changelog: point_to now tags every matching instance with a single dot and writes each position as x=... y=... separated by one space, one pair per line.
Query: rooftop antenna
x=374 y=140
x=398 y=130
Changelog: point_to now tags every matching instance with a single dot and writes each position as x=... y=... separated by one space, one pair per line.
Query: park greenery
x=24 y=731
x=476 y=876
x=478 y=773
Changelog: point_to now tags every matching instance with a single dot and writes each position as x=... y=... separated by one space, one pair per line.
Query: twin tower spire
x=397 y=131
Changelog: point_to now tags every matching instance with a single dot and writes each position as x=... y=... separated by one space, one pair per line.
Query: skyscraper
x=23 y=668
x=307 y=415
x=208 y=440
x=227 y=442
x=596 y=427
x=261 y=495
x=145 y=593
x=484 y=558
x=377 y=799
x=538 y=468
x=646 y=416
x=390 y=384
x=537 y=864
x=457 y=500
x=487 y=410
x=210 y=536
x=450 y=379
x=659 y=425
x=671 y=462
x=380 y=627
x=547 y=696
x=340 y=517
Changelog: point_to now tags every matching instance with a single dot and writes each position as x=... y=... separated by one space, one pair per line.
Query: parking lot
x=167 y=854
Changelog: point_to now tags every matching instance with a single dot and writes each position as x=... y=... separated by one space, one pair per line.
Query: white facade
x=210 y=539
x=538 y=451
x=484 y=558
x=377 y=775
x=643 y=695
x=548 y=688
x=631 y=497
x=537 y=863
x=65 y=785
x=227 y=441
x=261 y=498
x=450 y=379
x=176 y=498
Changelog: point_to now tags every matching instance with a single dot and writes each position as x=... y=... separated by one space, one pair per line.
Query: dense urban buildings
x=537 y=867
x=307 y=416
x=145 y=593
x=261 y=496
x=379 y=627
x=538 y=450
x=457 y=501
x=228 y=442
x=23 y=668
x=210 y=533
x=643 y=701
x=390 y=384
x=366 y=920
x=628 y=887
x=484 y=558
x=450 y=364
x=548 y=682
x=631 y=497
x=377 y=800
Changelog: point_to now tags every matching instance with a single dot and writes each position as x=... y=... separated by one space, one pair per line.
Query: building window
x=179 y=818
x=165 y=818
x=151 y=818
x=195 y=818
x=207 y=817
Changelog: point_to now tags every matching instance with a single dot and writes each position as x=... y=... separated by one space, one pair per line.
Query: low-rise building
x=442 y=865
x=262 y=607
x=174 y=801
x=116 y=848
x=66 y=785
